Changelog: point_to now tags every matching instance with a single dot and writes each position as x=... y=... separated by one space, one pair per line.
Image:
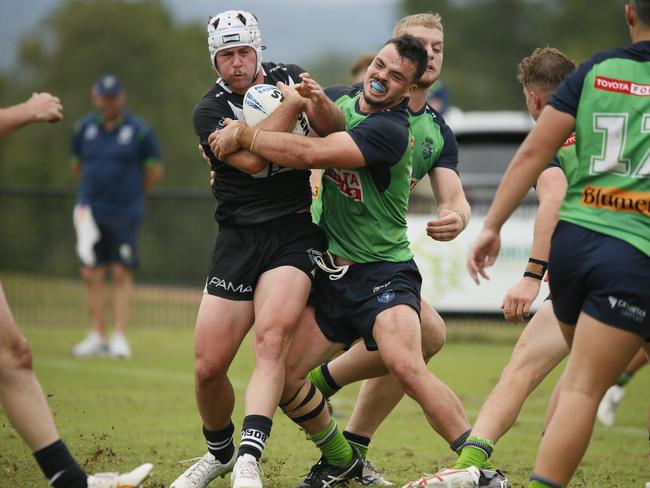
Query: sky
x=293 y=30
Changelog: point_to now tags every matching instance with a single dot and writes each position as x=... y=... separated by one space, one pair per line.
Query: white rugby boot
x=92 y=345
x=449 y=478
x=246 y=473
x=202 y=472
x=132 y=479
x=371 y=476
x=609 y=405
x=118 y=346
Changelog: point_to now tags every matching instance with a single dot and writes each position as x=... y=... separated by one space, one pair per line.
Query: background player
x=117 y=159
x=541 y=346
x=600 y=252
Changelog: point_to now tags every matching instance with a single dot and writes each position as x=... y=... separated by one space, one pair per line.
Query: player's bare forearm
x=283 y=119
x=551 y=130
x=338 y=150
x=41 y=107
x=324 y=116
x=551 y=187
x=454 y=211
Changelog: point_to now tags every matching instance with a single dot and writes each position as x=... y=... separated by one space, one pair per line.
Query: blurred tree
x=165 y=68
x=486 y=39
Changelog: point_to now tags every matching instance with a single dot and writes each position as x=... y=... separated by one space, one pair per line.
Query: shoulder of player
x=428 y=114
x=282 y=72
x=213 y=103
x=339 y=91
x=135 y=121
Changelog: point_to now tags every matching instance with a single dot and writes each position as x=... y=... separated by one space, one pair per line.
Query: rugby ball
x=260 y=101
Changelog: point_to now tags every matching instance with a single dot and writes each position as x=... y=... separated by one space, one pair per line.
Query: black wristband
x=535 y=268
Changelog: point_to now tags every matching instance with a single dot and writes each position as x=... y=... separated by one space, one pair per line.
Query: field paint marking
x=112 y=368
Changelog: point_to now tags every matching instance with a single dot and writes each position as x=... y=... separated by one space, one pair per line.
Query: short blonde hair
x=544 y=69
x=426 y=19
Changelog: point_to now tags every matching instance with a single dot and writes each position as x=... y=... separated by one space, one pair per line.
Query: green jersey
x=364 y=210
x=434 y=144
x=609 y=95
x=567 y=159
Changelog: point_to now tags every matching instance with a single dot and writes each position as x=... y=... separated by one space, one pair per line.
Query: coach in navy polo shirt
x=117 y=158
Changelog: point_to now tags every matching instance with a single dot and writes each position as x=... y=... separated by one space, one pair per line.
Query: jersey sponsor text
x=622 y=86
x=616 y=199
x=348 y=183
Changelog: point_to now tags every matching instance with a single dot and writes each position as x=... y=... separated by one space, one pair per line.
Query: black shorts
x=346 y=308
x=603 y=276
x=118 y=242
x=242 y=254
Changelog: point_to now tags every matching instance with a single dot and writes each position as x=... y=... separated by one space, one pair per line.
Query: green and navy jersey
x=364 y=209
x=609 y=95
x=566 y=158
x=434 y=144
x=113 y=164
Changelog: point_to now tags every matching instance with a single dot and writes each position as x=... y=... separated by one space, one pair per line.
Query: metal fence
x=40 y=271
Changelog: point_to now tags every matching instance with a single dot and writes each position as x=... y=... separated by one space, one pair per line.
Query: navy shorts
x=346 y=308
x=242 y=254
x=118 y=242
x=603 y=276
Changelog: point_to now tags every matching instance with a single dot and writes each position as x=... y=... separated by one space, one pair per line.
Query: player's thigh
x=221 y=325
x=599 y=354
x=434 y=330
x=541 y=345
x=280 y=298
x=397 y=334
x=309 y=347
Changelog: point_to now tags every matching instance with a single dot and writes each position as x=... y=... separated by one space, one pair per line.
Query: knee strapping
x=306 y=404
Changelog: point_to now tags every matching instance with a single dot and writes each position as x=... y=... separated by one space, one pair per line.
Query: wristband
x=246 y=137
x=535 y=268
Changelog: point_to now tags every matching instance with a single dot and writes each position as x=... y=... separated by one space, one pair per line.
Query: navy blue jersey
x=244 y=199
x=113 y=164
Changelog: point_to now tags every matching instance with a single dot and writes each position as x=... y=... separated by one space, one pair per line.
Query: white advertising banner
x=446 y=284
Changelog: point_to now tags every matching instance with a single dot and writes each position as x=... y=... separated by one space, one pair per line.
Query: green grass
x=117 y=414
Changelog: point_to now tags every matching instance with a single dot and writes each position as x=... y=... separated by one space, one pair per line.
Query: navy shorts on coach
x=603 y=276
x=118 y=242
x=242 y=253
x=346 y=308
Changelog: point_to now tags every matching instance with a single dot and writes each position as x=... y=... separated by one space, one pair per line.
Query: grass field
x=117 y=414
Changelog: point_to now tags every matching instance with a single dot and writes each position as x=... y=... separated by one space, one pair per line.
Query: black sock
x=220 y=443
x=59 y=467
x=255 y=431
x=457 y=445
x=359 y=441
